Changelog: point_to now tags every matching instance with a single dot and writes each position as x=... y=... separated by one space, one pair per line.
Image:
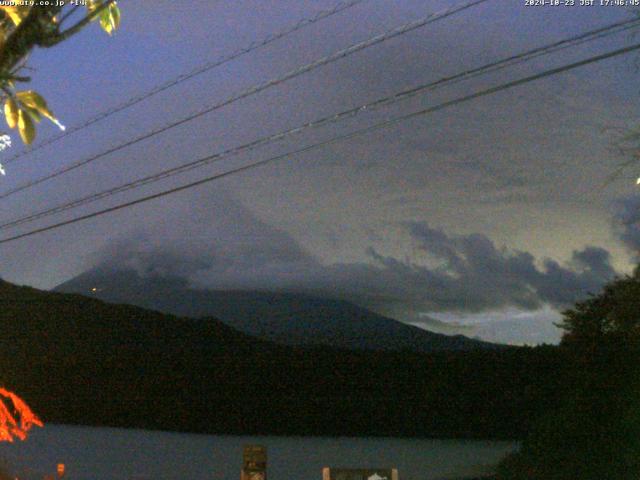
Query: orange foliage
x=17 y=419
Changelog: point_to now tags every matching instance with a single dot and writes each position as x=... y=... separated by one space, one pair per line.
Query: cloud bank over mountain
x=229 y=248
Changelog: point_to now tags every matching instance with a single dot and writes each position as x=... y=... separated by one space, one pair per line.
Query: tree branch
x=54 y=40
x=32 y=31
x=68 y=14
x=39 y=29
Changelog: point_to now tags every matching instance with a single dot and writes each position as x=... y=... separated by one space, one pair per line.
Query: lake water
x=109 y=453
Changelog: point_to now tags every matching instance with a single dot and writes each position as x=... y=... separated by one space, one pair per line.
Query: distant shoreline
x=112 y=454
x=290 y=436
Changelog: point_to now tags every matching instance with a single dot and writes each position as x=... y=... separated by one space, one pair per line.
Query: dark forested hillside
x=80 y=360
x=285 y=318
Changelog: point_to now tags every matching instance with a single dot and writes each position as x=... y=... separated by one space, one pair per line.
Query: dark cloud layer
x=476 y=275
x=459 y=273
x=627 y=223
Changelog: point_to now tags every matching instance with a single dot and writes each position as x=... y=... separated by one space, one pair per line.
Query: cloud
x=528 y=328
x=510 y=325
x=627 y=222
x=229 y=248
x=474 y=275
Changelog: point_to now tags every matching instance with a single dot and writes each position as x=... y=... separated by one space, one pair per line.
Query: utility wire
x=340 y=138
x=255 y=45
x=446 y=81
x=401 y=30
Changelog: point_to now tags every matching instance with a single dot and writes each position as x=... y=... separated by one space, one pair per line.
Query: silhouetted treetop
x=610 y=318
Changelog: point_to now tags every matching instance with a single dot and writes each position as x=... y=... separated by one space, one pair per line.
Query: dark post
x=254 y=463
x=359 y=473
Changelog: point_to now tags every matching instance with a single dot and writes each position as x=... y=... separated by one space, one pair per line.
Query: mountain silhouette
x=284 y=318
x=80 y=360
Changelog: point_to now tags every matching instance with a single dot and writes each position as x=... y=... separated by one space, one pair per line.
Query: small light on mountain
x=94 y=289
x=638 y=181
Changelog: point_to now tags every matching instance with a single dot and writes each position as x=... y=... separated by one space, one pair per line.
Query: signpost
x=359 y=473
x=254 y=463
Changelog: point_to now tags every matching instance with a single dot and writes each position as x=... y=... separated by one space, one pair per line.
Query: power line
x=403 y=29
x=255 y=45
x=446 y=81
x=340 y=138
x=597 y=34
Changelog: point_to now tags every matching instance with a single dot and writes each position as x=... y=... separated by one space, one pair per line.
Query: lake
x=110 y=453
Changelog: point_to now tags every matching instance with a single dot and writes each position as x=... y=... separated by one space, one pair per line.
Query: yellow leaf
x=26 y=128
x=115 y=14
x=36 y=105
x=110 y=18
x=35 y=101
x=92 y=5
x=33 y=113
x=106 y=21
x=11 y=112
x=16 y=13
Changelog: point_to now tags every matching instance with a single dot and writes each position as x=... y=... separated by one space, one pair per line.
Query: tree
x=16 y=418
x=610 y=319
x=593 y=432
x=23 y=28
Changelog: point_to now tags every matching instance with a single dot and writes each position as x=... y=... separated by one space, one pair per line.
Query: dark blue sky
x=496 y=186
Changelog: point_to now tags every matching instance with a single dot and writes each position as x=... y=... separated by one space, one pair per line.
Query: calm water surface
x=109 y=453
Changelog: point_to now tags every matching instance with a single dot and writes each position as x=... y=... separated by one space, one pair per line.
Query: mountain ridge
x=80 y=360
x=294 y=319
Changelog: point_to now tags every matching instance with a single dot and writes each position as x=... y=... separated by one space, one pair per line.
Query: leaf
x=16 y=13
x=11 y=112
x=35 y=101
x=37 y=106
x=25 y=127
x=115 y=14
x=33 y=113
x=106 y=22
x=92 y=5
x=110 y=18
x=17 y=420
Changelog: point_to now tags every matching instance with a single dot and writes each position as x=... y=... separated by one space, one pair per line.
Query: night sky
x=486 y=218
